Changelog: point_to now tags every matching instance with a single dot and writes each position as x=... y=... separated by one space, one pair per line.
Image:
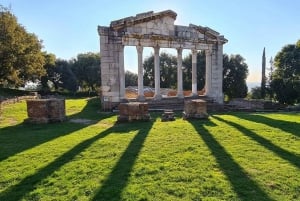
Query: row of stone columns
x=157 y=94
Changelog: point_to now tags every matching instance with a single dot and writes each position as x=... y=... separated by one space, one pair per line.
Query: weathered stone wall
x=46 y=110
x=243 y=104
x=15 y=100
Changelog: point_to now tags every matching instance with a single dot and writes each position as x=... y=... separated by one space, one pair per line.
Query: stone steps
x=176 y=104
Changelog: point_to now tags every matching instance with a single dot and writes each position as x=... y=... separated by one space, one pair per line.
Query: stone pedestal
x=45 y=110
x=195 y=109
x=168 y=115
x=133 y=111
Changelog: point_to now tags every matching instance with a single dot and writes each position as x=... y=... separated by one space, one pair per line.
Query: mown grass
x=236 y=156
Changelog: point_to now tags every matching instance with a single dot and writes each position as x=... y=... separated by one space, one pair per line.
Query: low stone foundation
x=195 y=109
x=46 y=110
x=133 y=111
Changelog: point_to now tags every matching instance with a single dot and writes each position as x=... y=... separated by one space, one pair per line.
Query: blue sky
x=69 y=27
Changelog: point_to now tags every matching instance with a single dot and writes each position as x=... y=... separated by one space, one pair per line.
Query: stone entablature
x=157 y=30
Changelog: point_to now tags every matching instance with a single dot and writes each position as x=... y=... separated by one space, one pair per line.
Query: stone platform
x=195 y=109
x=45 y=110
x=133 y=111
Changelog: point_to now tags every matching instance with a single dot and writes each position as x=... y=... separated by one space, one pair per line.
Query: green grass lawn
x=235 y=156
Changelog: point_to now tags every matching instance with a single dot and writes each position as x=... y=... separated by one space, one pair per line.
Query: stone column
x=179 y=73
x=208 y=68
x=194 y=73
x=141 y=96
x=220 y=98
x=121 y=72
x=157 y=94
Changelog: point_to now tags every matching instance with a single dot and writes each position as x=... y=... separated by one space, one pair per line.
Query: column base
x=157 y=97
x=123 y=100
x=180 y=95
x=194 y=95
x=141 y=98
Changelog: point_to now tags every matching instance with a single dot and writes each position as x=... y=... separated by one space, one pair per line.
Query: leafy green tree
x=20 y=52
x=67 y=79
x=285 y=90
x=86 y=67
x=255 y=93
x=286 y=76
x=131 y=79
x=49 y=67
x=148 y=76
x=168 y=71
x=235 y=72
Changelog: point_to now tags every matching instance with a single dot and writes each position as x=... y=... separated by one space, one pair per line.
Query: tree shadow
x=242 y=184
x=282 y=153
x=28 y=184
x=24 y=136
x=118 y=178
x=287 y=126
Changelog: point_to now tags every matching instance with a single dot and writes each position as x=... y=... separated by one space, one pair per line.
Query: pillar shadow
x=18 y=138
x=28 y=184
x=242 y=184
x=282 y=153
x=287 y=126
x=118 y=178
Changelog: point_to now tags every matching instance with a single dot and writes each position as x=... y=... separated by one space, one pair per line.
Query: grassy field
x=234 y=156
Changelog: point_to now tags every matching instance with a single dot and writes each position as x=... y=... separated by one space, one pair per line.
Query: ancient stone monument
x=157 y=30
x=133 y=111
x=195 y=109
x=46 y=110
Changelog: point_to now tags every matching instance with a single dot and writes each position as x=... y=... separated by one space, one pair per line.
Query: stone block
x=37 y=111
x=195 y=109
x=133 y=111
x=56 y=110
x=45 y=110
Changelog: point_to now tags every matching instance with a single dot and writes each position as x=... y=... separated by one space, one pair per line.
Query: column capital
x=179 y=50
x=208 y=52
x=139 y=49
x=156 y=48
x=194 y=51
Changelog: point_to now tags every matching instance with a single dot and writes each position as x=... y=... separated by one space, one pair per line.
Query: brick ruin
x=46 y=110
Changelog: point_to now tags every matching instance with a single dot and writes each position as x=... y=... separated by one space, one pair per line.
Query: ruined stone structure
x=133 y=111
x=46 y=110
x=157 y=30
x=195 y=109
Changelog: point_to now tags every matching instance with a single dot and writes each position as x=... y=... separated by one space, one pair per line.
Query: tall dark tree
x=131 y=79
x=86 y=67
x=67 y=79
x=20 y=52
x=187 y=71
x=235 y=72
x=49 y=67
x=148 y=76
x=263 y=76
x=286 y=77
x=168 y=71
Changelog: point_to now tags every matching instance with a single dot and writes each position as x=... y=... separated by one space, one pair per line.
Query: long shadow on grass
x=243 y=185
x=118 y=178
x=18 y=138
x=29 y=183
x=284 y=154
x=287 y=126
